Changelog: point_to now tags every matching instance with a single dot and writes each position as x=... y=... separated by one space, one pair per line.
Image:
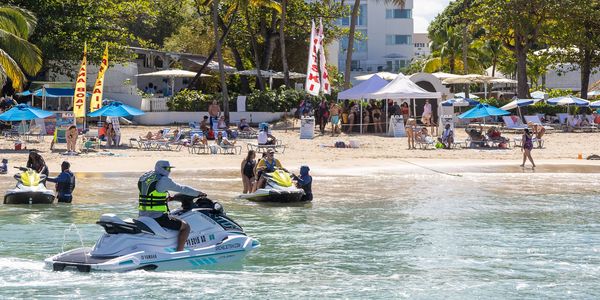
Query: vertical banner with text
x=96 y=102
x=313 y=82
x=80 y=92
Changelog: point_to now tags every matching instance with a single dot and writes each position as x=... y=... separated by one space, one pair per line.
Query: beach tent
x=383 y=75
x=359 y=91
x=172 y=74
x=50 y=93
x=403 y=87
x=362 y=91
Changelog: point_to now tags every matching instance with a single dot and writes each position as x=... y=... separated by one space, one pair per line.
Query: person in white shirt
x=447 y=137
x=426 y=119
x=264 y=138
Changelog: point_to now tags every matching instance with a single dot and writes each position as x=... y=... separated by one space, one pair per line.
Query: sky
x=424 y=11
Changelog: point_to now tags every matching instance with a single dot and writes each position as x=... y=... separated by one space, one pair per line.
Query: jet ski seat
x=156 y=228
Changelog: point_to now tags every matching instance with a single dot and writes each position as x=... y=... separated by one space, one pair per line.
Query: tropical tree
x=286 y=71
x=17 y=56
x=351 y=33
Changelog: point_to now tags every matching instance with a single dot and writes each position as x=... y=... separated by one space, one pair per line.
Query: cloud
x=425 y=10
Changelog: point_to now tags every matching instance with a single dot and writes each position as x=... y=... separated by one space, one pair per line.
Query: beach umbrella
x=539 y=95
x=460 y=102
x=483 y=110
x=595 y=104
x=518 y=103
x=172 y=74
x=462 y=95
x=594 y=93
x=24 y=112
x=116 y=109
x=568 y=101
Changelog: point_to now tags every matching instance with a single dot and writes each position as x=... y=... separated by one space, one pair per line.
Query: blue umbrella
x=595 y=104
x=116 y=109
x=483 y=110
x=460 y=102
x=23 y=112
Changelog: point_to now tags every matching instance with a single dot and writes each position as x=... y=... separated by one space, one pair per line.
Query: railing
x=155 y=104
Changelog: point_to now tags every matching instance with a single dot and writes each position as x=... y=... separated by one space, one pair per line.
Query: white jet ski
x=141 y=243
x=279 y=187
x=29 y=189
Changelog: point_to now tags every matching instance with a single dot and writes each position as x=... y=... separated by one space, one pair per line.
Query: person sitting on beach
x=197 y=139
x=244 y=126
x=476 y=136
x=538 y=132
x=267 y=165
x=223 y=141
x=423 y=136
x=65 y=183
x=102 y=132
x=176 y=136
x=304 y=181
x=222 y=125
x=583 y=121
x=4 y=166
x=265 y=138
x=447 y=138
x=205 y=124
x=494 y=135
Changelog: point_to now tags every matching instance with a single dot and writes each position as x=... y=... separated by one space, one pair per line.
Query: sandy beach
x=376 y=153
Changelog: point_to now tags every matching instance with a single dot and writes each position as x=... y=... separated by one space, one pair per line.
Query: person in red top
x=596 y=117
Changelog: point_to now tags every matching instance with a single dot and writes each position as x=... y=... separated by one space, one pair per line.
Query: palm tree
x=286 y=71
x=447 y=44
x=353 y=18
x=17 y=55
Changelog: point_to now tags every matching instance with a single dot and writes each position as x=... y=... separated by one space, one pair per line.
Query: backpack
x=339 y=144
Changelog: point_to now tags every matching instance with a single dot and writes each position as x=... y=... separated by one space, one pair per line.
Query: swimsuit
x=335 y=119
x=249 y=168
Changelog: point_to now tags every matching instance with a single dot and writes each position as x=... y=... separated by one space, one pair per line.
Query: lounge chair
x=535 y=119
x=511 y=124
x=91 y=140
x=230 y=149
x=424 y=143
x=279 y=146
x=60 y=137
x=36 y=132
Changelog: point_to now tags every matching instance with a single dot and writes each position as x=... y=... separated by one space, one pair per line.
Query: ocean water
x=418 y=235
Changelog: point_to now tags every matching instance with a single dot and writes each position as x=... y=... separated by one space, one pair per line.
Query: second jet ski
x=29 y=190
x=279 y=187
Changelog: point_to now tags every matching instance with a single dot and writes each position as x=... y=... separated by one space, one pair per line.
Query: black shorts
x=168 y=222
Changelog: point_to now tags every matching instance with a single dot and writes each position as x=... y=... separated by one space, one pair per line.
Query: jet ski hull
x=231 y=250
x=28 y=198
x=274 y=196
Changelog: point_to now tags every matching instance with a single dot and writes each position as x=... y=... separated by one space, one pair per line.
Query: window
x=361 y=20
x=398 y=13
x=398 y=39
x=360 y=46
x=420 y=45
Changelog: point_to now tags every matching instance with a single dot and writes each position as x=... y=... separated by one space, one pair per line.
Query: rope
x=430 y=169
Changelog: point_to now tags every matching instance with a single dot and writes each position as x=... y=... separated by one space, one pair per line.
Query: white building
x=386 y=39
x=421 y=43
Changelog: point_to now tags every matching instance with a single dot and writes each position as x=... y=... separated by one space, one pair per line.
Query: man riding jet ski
x=155 y=240
x=154 y=187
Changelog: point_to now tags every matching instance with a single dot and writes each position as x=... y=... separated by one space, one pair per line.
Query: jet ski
x=279 y=187
x=141 y=243
x=29 y=189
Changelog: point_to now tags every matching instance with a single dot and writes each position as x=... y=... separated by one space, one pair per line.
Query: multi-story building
x=386 y=38
x=421 y=43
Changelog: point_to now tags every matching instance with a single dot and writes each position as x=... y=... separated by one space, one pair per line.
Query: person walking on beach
x=526 y=147
x=334 y=112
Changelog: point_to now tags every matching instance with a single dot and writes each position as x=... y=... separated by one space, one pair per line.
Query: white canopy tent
x=403 y=87
x=383 y=75
x=361 y=90
x=172 y=74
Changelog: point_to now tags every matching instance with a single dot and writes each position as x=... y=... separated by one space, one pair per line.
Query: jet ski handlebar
x=23 y=169
x=200 y=201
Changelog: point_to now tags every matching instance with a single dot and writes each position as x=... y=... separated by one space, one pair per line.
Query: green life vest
x=150 y=199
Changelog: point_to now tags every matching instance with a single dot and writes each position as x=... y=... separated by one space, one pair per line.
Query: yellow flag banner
x=80 y=93
x=96 y=102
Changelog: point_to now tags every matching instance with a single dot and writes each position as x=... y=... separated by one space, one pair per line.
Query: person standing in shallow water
x=527 y=145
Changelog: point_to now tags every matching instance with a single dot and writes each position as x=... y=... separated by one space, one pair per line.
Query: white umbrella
x=503 y=80
x=172 y=74
x=293 y=75
x=384 y=75
x=442 y=75
x=462 y=95
x=470 y=79
x=594 y=93
x=263 y=73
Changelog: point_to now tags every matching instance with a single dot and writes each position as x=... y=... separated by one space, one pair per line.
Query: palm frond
x=24 y=53
x=17 y=21
x=11 y=69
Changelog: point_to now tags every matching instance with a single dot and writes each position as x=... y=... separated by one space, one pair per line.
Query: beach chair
x=513 y=123
x=90 y=140
x=36 y=132
x=60 y=137
x=278 y=147
x=535 y=119
x=562 y=120
x=425 y=143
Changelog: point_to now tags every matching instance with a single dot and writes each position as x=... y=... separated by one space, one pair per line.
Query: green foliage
x=282 y=99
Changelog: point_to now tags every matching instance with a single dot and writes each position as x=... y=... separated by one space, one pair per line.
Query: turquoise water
x=370 y=236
